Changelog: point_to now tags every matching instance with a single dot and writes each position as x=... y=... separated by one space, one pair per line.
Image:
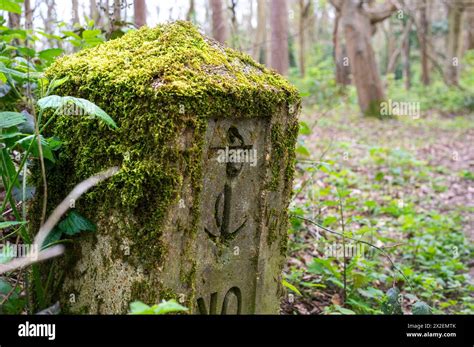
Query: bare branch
x=337 y=4
x=37 y=255
x=380 y=12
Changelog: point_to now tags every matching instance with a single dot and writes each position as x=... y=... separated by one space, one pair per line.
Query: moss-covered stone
x=162 y=86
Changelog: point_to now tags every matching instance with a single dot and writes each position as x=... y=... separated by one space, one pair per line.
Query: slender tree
x=94 y=11
x=191 y=14
x=455 y=14
x=341 y=60
x=305 y=11
x=423 y=38
x=406 y=49
x=13 y=20
x=75 y=12
x=357 y=20
x=470 y=28
x=219 y=25
x=28 y=15
x=139 y=8
x=117 y=15
x=259 y=51
x=279 y=36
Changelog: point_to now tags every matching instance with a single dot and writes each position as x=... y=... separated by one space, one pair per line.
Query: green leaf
x=303 y=150
x=56 y=83
x=52 y=101
x=55 y=102
x=170 y=306
x=53 y=236
x=371 y=293
x=91 y=109
x=11 y=169
x=421 y=308
x=15 y=303
x=88 y=34
x=47 y=151
x=74 y=223
x=10 y=6
x=344 y=310
x=138 y=307
x=304 y=128
x=50 y=54
x=9 y=119
x=290 y=287
x=12 y=72
x=4 y=225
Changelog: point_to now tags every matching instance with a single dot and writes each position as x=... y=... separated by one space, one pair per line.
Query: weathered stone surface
x=179 y=221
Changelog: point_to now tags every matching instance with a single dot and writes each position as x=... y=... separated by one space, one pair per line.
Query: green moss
x=157 y=84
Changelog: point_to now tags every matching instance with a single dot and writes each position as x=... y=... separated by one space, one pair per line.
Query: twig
x=10 y=293
x=53 y=219
x=341 y=212
x=381 y=250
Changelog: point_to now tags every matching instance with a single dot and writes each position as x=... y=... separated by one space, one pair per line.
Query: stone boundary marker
x=198 y=211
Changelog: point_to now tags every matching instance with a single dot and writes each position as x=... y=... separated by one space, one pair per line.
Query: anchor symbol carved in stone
x=223 y=204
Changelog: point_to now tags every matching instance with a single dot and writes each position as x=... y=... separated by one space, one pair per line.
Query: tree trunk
x=13 y=20
x=261 y=34
x=455 y=11
x=423 y=37
x=341 y=60
x=301 y=36
x=116 y=15
x=75 y=12
x=139 y=8
x=279 y=36
x=470 y=29
x=219 y=27
x=191 y=14
x=94 y=11
x=406 y=58
x=28 y=15
x=357 y=23
x=48 y=21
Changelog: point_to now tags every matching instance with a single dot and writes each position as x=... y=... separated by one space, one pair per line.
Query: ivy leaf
x=15 y=303
x=74 y=223
x=53 y=236
x=391 y=303
x=421 y=308
x=10 y=119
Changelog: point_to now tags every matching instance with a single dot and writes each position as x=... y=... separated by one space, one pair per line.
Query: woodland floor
x=399 y=174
